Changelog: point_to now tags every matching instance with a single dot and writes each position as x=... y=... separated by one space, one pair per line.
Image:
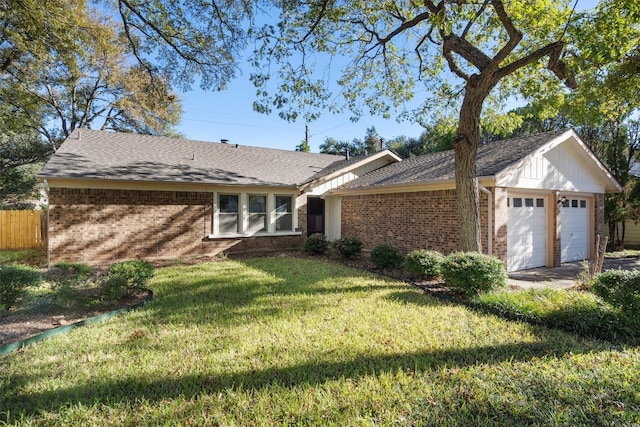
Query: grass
x=303 y=342
x=625 y=253
x=35 y=257
x=578 y=312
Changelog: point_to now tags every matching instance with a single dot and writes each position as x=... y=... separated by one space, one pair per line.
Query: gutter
x=489 y=218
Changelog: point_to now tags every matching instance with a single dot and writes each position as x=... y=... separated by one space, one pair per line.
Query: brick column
x=554 y=233
x=598 y=216
x=500 y=219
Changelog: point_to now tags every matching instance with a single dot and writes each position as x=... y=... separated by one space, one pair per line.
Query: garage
x=574 y=226
x=526 y=232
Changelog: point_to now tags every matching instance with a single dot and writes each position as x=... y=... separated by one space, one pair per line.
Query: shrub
x=127 y=276
x=620 y=288
x=347 y=247
x=13 y=280
x=473 y=273
x=424 y=263
x=68 y=272
x=386 y=256
x=316 y=244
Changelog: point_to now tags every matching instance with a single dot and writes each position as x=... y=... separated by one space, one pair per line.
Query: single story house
x=115 y=196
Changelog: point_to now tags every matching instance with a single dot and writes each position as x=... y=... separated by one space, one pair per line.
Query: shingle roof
x=492 y=158
x=91 y=154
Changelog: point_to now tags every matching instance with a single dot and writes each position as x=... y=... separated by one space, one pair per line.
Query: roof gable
x=106 y=155
x=563 y=163
x=496 y=160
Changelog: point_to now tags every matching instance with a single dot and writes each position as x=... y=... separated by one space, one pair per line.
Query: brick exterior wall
x=408 y=221
x=101 y=226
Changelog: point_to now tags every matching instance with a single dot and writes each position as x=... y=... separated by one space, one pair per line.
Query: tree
x=333 y=146
x=63 y=91
x=181 y=40
x=391 y=46
x=372 y=141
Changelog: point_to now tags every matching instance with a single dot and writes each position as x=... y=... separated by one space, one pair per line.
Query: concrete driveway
x=565 y=276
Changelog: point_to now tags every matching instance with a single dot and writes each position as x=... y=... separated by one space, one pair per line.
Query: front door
x=315 y=216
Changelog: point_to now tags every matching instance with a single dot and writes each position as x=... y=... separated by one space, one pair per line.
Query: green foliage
x=368 y=351
x=621 y=289
x=13 y=279
x=135 y=273
x=36 y=257
x=472 y=273
x=347 y=247
x=386 y=256
x=425 y=263
x=316 y=244
x=581 y=313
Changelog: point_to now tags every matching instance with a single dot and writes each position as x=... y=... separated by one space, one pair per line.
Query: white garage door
x=574 y=226
x=526 y=232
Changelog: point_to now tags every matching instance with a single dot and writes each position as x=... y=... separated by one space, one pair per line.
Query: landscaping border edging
x=4 y=350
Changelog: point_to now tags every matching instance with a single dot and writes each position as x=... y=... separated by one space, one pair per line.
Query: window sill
x=242 y=236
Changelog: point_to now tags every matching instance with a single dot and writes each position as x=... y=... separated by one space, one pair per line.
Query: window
x=583 y=203
x=528 y=202
x=517 y=202
x=257 y=214
x=228 y=216
x=565 y=203
x=574 y=203
x=284 y=213
x=539 y=203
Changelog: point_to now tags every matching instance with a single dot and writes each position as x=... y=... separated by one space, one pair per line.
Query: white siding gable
x=323 y=187
x=563 y=166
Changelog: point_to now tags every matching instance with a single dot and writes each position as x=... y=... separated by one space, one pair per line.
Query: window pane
x=565 y=203
x=228 y=203
x=574 y=203
x=517 y=202
x=228 y=223
x=583 y=203
x=540 y=203
x=284 y=215
x=258 y=204
x=257 y=222
x=284 y=222
x=283 y=204
x=228 y=216
x=528 y=203
x=508 y=201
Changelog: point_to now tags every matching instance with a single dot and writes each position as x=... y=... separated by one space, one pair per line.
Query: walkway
x=565 y=276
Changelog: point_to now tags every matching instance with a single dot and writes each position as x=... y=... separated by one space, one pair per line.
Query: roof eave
x=440 y=184
x=385 y=153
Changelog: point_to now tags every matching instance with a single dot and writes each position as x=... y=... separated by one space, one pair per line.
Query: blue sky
x=211 y=116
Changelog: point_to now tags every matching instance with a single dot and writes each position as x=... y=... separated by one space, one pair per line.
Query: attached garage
x=574 y=229
x=526 y=232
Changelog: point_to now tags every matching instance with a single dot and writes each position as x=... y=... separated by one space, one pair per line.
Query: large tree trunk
x=466 y=148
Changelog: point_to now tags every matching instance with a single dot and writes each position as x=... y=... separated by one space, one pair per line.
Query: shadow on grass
x=232 y=294
x=312 y=374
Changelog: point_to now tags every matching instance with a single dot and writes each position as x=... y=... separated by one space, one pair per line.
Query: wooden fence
x=22 y=229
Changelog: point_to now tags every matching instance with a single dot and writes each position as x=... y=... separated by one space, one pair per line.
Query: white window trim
x=243 y=211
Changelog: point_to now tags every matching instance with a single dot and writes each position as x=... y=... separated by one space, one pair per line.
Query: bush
x=13 y=280
x=316 y=244
x=473 y=273
x=620 y=288
x=347 y=247
x=127 y=276
x=386 y=256
x=424 y=263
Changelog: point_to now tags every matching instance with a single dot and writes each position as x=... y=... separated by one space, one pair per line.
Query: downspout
x=489 y=218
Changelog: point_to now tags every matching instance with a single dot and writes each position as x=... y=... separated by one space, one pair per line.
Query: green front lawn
x=279 y=341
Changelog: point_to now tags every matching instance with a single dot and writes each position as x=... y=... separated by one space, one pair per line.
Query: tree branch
x=514 y=35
